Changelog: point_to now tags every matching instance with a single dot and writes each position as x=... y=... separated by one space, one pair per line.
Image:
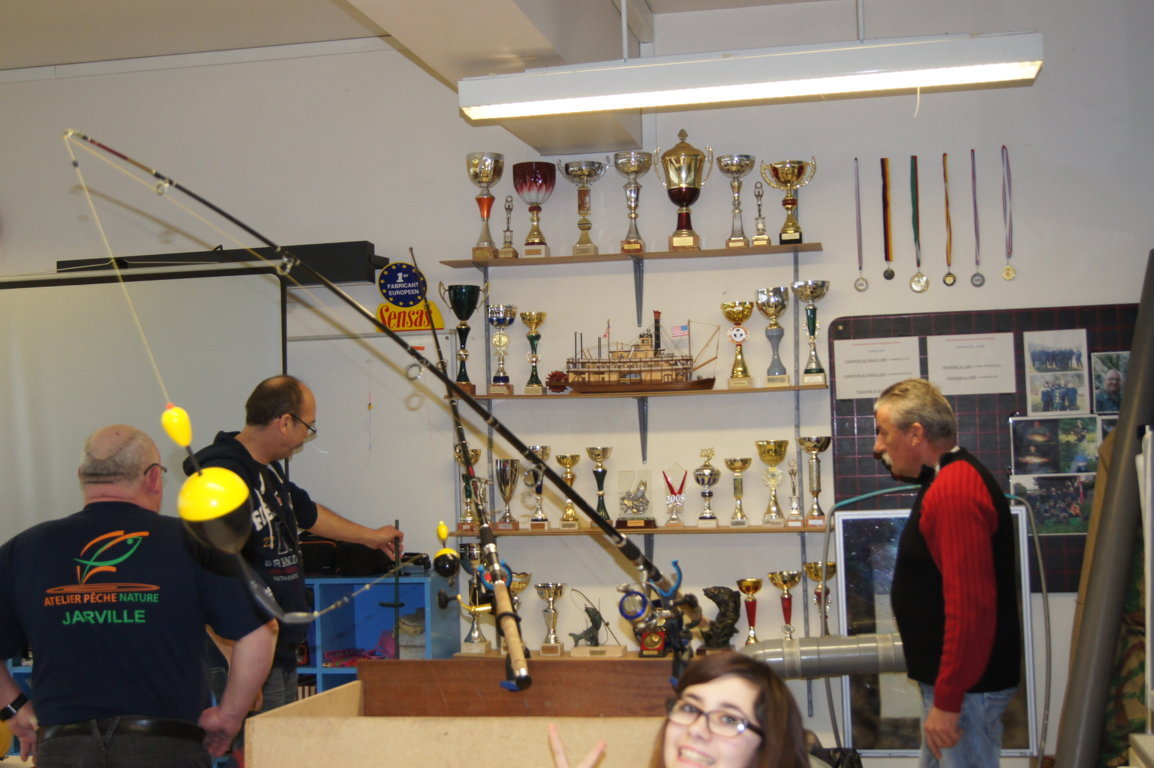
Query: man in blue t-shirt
x=113 y=601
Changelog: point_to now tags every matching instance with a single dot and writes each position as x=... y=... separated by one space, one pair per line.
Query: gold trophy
x=736 y=167
x=760 y=236
x=569 y=519
x=821 y=594
x=737 y=466
x=600 y=455
x=789 y=176
x=468 y=520
x=683 y=171
x=634 y=501
x=463 y=300
x=794 y=519
x=749 y=588
x=518 y=581
x=811 y=291
x=772 y=452
x=632 y=164
x=535 y=479
x=485 y=170
x=815 y=518
x=475 y=642
x=508 y=475
x=533 y=319
x=534 y=182
x=501 y=316
x=550 y=592
x=737 y=312
x=583 y=173
x=772 y=302
x=507 y=251
x=785 y=581
x=707 y=476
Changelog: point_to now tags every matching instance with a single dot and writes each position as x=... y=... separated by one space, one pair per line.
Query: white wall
x=361 y=144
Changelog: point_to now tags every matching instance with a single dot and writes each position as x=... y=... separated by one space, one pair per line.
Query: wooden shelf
x=583 y=396
x=724 y=529
x=648 y=256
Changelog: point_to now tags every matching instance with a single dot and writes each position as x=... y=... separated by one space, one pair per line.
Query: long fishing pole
x=628 y=549
x=506 y=616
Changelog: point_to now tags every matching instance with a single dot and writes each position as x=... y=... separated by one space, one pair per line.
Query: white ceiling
x=450 y=39
x=35 y=33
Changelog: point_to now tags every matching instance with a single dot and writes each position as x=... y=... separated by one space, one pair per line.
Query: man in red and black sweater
x=953 y=592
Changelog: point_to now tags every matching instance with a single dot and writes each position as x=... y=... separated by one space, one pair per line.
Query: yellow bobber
x=177 y=425
x=446 y=561
x=214 y=506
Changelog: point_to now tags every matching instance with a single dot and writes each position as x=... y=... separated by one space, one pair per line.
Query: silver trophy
x=475 y=641
x=550 y=592
x=707 y=476
x=811 y=291
x=772 y=303
x=631 y=165
x=508 y=474
x=583 y=173
x=535 y=479
x=814 y=518
x=501 y=316
x=736 y=167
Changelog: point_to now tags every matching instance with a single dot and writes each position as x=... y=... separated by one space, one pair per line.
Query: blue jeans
x=280 y=688
x=981 y=727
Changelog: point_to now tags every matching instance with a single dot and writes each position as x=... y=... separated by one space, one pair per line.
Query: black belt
x=146 y=726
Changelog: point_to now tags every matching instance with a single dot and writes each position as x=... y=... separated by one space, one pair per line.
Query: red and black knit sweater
x=954 y=594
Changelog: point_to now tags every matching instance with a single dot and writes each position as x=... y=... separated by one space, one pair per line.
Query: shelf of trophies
x=651 y=393
x=757 y=250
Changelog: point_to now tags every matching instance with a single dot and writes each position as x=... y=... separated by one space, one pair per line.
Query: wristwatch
x=6 y=713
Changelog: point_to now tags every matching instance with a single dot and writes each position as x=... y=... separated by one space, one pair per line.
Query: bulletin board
x=984 y=420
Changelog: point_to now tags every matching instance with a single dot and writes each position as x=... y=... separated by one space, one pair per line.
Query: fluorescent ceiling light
x=796 y=72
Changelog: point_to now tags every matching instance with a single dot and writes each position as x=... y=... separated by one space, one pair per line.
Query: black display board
x=983 y=420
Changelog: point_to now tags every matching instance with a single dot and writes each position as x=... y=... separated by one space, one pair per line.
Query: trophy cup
x=634 y=501
x=789 y=176
x=772 y=302
x=815 y=518
x=507 y=251
x=475 y=641
x=794 y=518
x=821 y=594
x=737 y=312
x=737 y=466
x=468 y=521
x=772 y=452
x=631 y=165
x=707 y=476
x=550 y=592
x=760 y=236
x=736 y=167
x=501 y=316
x=785 y=581
x=534 y=183
x=485 y=170
x=569 y=519
x=683 y=171
x=810 y=291
x=533 y=319
x=508 y=474
x=675 y=500
x=749 y=588
x=535 y=479
x=583 y=173
x=463 y=300
x=600 y=455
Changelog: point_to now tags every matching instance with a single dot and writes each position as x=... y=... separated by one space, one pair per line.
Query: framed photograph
x=1108 y=370
x=1054 y=446
x=1056 y=371
x=1061 y=503
x=882 y=713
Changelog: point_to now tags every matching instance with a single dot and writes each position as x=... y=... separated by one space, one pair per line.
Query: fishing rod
x=628 y=549
x=507 y=620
